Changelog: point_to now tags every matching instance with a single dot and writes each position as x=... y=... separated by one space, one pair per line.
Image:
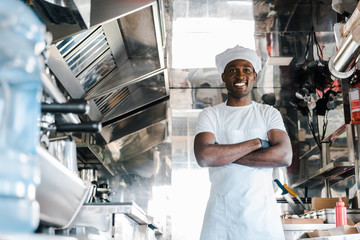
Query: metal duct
x=118 y=67
x=342 y=64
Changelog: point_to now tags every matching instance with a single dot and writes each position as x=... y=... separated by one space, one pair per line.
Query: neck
x=236 y=102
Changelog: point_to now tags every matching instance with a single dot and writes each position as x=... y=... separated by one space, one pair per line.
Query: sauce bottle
x=340 y=213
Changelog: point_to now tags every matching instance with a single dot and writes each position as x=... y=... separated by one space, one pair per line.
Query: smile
x=240 y=84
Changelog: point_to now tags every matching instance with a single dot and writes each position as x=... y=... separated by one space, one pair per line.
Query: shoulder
x=212 y=110
x=265 y=107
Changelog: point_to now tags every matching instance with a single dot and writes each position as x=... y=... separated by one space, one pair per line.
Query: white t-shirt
x=242 y=204
x=211 y=119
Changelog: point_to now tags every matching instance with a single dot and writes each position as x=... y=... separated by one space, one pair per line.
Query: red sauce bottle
x=340 y=213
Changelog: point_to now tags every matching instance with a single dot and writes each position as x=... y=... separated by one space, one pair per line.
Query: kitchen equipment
x=103 y=192
x=288 y=198
x=93 y=127
x=64 y=149
x=78 y=107
x=328 y=215
x=89 y=175
x=289 y=190
x=60 y=194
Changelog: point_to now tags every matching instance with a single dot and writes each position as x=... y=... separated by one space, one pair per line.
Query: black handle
x=81 y=127
x=78 y=107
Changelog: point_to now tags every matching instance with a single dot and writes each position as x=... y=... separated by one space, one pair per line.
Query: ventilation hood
x=117 y=65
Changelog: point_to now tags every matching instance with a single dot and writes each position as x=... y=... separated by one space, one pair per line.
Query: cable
x=318 y=48
x=312 y=129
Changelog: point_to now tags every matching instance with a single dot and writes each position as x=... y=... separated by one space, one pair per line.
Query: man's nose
x=240 y=74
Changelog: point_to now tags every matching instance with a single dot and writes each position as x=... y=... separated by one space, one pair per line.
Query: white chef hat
x=237 y=52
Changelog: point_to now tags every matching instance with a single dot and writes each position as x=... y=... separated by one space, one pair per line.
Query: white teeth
x=240 y=84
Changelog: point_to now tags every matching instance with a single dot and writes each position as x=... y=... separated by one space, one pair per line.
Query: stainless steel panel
x=138 y=30
x=60 y=193
x=126 y=228
x=136 y=122
x=136 y=95
x=115 y=41
x=107 y=102
x=130 y=72
x=130 y=209
x=136 y=143
x=114 y=90
x=88 y=56
x=107 y=221
x=62 y=72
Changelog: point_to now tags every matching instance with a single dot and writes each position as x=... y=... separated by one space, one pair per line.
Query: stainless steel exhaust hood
x=119 y=67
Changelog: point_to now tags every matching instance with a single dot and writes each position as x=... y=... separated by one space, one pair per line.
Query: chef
x=241 y=141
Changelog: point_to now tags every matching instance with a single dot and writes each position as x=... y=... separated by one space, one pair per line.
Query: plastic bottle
x=340 y=213
x=20 y=90
x=355 y=104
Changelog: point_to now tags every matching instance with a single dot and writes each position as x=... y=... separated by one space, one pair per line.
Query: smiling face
x=239 y=77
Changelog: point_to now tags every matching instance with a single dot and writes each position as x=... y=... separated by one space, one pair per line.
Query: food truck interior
x=123 y=84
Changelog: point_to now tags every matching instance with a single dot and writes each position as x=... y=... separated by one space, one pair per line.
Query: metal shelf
x=334 y=172
x=314 y=150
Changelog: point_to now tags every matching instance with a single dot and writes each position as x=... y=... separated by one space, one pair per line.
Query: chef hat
x=234 y=53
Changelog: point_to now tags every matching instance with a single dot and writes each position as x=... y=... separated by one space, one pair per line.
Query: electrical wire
x=318 y=48
x=307 y=46
x=312 y=129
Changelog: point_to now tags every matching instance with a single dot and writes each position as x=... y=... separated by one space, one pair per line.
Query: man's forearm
x=214 y=155
x=275 y=156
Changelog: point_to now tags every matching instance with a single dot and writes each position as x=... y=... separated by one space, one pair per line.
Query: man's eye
x=232 y=70
x=247 y=70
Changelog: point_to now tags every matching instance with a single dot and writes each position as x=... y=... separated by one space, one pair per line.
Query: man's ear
x=255 y=75
x=222 y=77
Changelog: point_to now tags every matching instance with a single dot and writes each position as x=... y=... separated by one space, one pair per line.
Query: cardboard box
x=338 y=231
x=302 y=221
x=318 y=233
x=343 y=230
x=318 y=203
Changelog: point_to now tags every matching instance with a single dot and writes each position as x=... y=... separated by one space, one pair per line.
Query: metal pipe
x=342 y=64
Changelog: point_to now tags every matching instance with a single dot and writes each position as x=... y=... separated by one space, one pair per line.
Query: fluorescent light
x=279 y=61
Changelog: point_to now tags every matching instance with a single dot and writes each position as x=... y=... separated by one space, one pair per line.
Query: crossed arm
x=209 y=154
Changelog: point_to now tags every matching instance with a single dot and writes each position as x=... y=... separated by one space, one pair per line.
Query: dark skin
x=239 y=77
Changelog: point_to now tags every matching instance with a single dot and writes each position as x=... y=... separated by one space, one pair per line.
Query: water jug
x=20 y=90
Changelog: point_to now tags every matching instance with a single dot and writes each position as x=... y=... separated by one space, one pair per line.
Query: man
x=241 y=141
